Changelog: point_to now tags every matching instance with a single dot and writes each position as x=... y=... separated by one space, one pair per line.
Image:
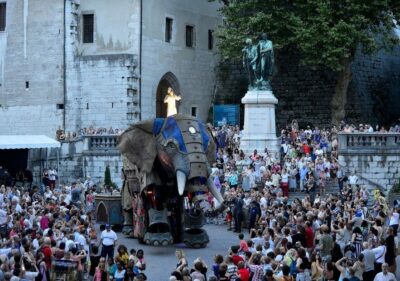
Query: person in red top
x=243 y=273
x=243 y=244
x=306 y=148
x=309 y=236
x=47 y=252
x=235 y=257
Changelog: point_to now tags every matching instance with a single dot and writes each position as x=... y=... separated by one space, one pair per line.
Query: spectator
x=108 y=240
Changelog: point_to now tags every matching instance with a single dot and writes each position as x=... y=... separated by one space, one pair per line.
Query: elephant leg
x=139 y=217
x=127 y=228
x=194 y=236
x=158 y=231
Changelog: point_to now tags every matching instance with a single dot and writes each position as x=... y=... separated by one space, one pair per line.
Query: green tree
x=324 y=32
x=107 y=177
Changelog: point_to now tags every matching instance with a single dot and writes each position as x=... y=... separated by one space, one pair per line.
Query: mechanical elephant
x=167 y=170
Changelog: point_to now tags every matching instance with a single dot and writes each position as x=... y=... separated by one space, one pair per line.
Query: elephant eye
x=171 y=145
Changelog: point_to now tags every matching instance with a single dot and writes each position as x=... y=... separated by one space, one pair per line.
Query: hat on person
x=107 y=225
x=358 y=213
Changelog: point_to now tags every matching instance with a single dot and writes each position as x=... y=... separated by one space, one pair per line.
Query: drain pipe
x=140 y=60
x=65 y=67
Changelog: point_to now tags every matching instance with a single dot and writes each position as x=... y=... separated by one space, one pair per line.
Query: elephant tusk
x=214 y=191
x=181 y=181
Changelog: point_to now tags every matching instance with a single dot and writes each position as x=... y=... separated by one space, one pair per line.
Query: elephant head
x=180 y=146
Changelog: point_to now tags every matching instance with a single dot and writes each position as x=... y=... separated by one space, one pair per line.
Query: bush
x=107 y=176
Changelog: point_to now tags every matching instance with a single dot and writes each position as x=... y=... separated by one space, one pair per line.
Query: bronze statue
x=250 y=62
x=258 y=59
x=266 y=60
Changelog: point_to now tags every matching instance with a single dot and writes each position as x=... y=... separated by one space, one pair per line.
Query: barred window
x=88 y=28
x=210 y=39
x=3 y=7
x=189 y=36
x=168 y=29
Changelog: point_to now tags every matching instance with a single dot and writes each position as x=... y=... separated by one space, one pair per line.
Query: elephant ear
x=212 y=148
x=139 y=146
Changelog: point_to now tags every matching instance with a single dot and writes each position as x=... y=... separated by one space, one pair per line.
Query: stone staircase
x=331 y=188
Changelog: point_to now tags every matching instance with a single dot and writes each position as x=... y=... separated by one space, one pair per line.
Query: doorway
x=168 y=80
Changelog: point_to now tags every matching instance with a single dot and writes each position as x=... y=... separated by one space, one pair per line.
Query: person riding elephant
x=173 y=157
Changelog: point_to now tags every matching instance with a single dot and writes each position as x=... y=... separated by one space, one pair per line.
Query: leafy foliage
x=324 y=32
x=107 y=177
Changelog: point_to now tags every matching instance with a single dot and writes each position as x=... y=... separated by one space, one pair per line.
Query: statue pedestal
x=259 y=122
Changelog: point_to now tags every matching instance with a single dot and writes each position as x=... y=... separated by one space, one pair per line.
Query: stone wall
x=31 y=68
x=102 y=79
x=102 y=92
x=375 y=91
x=374 y=158
x=78 y=159
x=305 y=93
x=382 y=170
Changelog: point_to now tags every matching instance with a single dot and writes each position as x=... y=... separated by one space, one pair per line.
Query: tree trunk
x=339 y=99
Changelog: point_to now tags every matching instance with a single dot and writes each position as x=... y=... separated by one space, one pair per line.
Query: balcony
x=369 y=143
x=101 y=145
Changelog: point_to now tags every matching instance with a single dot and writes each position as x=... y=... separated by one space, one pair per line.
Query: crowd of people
x=48 y=230
x=336 y=236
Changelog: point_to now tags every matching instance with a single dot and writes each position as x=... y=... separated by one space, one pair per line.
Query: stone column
x=259 y=122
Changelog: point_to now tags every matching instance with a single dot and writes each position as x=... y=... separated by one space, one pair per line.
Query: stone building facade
x=188 y=69
x=31 y=67
x=81 y=63
x=73 y=64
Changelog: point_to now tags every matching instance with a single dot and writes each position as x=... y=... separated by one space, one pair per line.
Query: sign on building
x=226 y=114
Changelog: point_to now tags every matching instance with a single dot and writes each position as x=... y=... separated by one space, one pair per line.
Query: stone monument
x=259 y=113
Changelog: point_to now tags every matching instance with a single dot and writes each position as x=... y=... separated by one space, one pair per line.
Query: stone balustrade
x=370 y=143
x=101 y=142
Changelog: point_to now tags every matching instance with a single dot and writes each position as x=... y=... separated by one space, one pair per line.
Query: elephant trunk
x=214 y=191
x=181 y=181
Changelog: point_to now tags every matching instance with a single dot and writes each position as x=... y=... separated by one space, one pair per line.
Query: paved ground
x=161 y=261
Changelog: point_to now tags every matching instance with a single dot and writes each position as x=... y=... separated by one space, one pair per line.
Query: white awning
x=27 y=141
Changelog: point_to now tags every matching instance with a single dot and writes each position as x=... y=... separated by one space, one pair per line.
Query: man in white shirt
x=69 y=243
x=385 y=275
x=379 y=252
x=48 y=194
x=259 y=239
x=108 y=240
x=353 y=179
x=80 y=239
x=52 y=177
x=35 y=242
x=247 y=199
x=369 y=260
